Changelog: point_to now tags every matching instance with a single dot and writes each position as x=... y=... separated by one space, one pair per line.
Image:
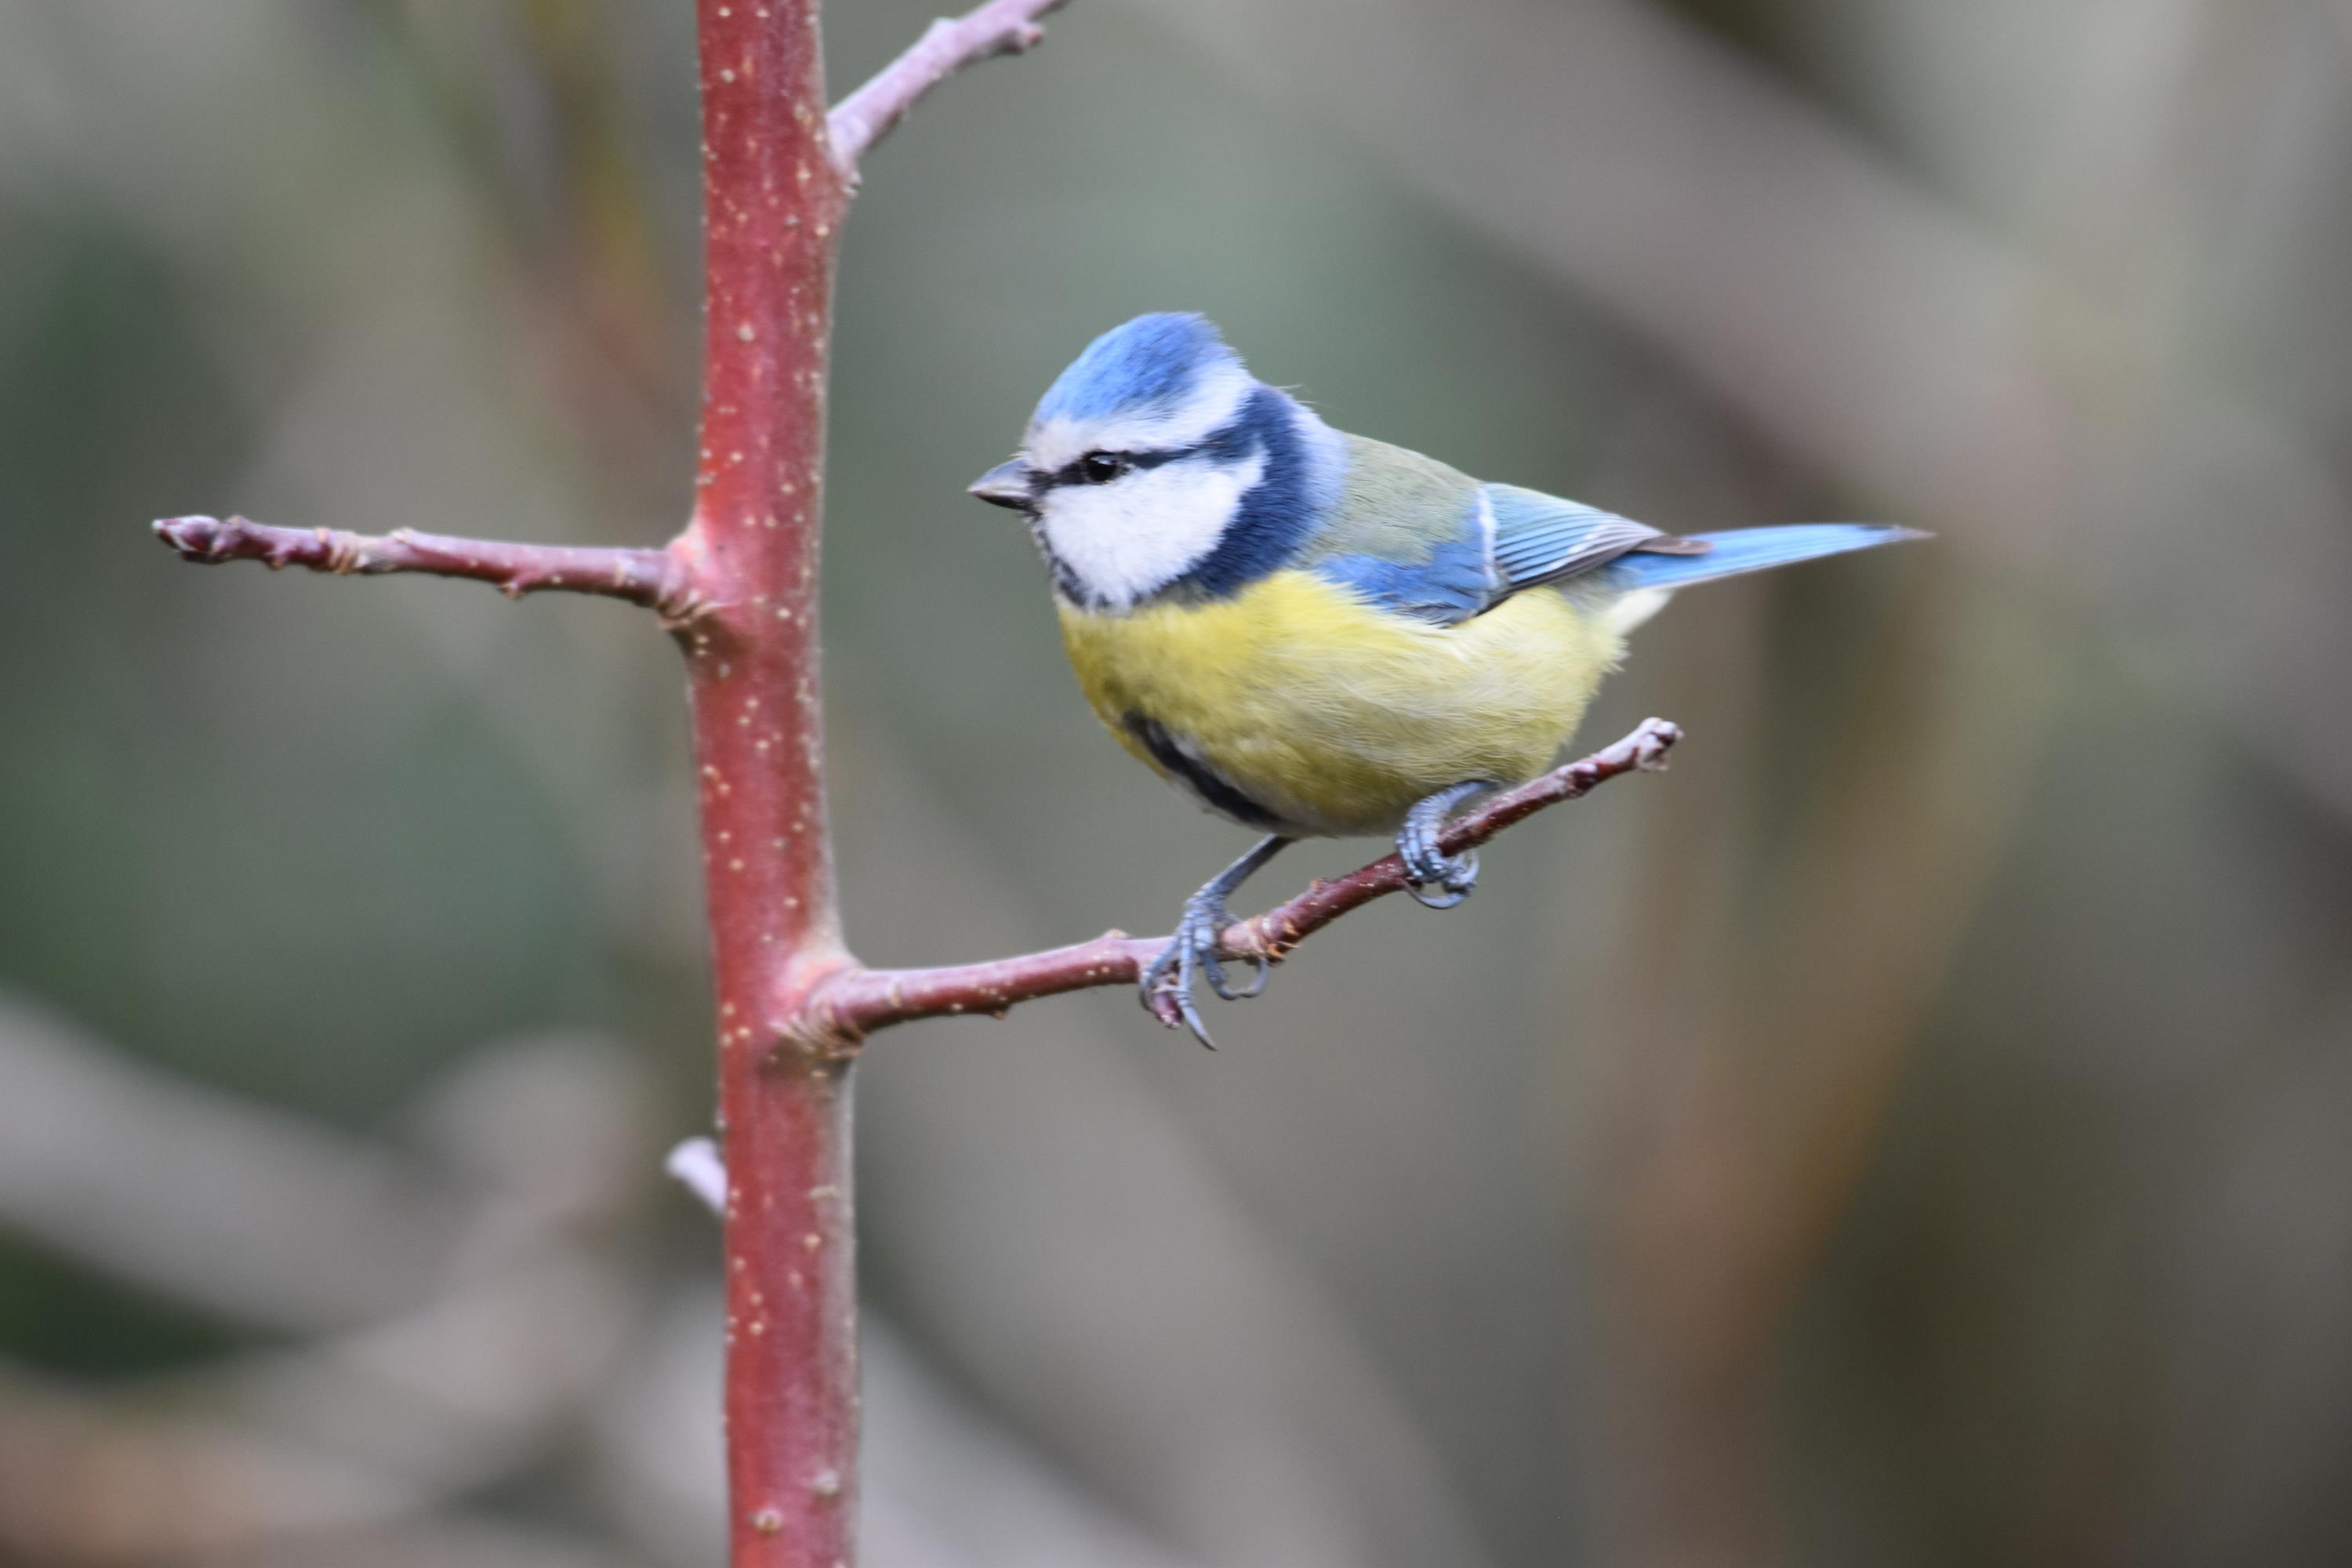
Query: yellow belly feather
x=1336 y=716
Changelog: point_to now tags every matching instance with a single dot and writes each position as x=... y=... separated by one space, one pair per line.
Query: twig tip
x=198 y=539
x=1654 y=741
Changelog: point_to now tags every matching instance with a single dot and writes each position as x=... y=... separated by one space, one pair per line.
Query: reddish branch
x=874 y=110
x=739 y=585
x=772 y=202
x=858 y=1001
x=653 y=578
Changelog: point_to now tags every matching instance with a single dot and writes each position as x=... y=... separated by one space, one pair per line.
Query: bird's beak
x=1007 y=484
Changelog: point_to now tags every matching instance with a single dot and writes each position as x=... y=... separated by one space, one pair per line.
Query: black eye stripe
x=1074 y=472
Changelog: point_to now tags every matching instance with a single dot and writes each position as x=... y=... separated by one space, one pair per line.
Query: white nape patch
x=1053 y=444
x=1126 y=540
x=1629 y=610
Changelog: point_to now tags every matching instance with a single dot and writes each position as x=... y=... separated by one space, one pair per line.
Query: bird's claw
x=1427 y=865
x=1192 y=954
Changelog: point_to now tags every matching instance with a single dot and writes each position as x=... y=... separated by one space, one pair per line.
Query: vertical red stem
x=771 y=203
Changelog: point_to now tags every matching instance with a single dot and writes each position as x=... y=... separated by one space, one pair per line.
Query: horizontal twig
x=653 y=578
x=856 y=1001
x=866 y=116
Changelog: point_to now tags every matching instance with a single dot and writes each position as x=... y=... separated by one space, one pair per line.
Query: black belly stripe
x=1215 y=790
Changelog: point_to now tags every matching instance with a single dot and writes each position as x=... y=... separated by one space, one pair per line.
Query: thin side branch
x=653 y=578
x=867 y=115
x=855 y=1002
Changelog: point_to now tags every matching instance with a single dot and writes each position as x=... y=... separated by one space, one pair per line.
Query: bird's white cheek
x=1127 y=538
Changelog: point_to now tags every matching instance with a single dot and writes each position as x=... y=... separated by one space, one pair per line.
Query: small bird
x=1315 y=634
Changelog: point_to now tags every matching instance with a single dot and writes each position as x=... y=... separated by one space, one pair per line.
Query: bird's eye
x=1101 y=467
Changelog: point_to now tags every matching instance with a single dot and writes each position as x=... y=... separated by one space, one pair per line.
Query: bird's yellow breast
x=1331 y=715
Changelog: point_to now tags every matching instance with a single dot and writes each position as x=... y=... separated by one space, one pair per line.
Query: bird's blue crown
x=1150 y=365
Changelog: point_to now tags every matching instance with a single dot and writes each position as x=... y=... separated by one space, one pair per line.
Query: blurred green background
x=1914 y=1132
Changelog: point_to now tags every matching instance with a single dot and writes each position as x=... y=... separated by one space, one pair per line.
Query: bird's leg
x=1424 y=863
x=1192 y=951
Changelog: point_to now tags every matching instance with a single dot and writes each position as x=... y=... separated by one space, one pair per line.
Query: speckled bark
x=773 y=199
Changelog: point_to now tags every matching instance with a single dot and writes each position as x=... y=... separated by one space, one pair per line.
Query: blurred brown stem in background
x=1744 y=1122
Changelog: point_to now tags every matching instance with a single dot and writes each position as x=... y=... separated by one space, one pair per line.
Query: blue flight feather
x=1541 y=539
x=1742 y=550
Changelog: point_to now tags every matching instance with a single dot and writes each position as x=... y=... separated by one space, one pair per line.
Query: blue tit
x=1315 y=634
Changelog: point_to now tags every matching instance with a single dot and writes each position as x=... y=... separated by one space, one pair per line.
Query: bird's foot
x=1192 y=955
x=1425 y=865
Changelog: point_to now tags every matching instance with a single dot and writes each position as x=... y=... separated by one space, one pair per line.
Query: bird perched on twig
x=1318 y=635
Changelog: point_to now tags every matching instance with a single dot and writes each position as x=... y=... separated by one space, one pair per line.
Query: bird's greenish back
x=1394 y=504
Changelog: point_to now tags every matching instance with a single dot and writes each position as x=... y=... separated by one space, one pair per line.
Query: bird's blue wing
x=1419 y=539
x=1448 y=587
x=1542 y=539
x=1407 y=533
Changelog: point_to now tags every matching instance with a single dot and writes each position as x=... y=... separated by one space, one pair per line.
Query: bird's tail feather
x=1743 y=550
